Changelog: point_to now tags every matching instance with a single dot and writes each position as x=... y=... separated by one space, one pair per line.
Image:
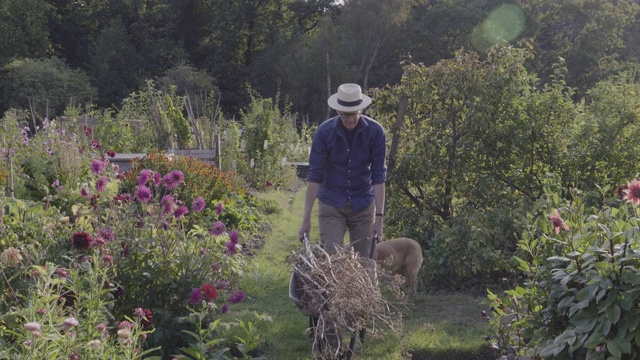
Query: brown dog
x=406 y=260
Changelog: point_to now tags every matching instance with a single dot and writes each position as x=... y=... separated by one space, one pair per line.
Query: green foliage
x=267 y=140
x=159 y=123
x=187 y=80
x=115 y=64
x=589 y=35
x=178 y=122
x=44 y=86
x=601 y=138
x=23 y=25
x=476 y=144
x=201 y=180
x=118 y=258
x=52 y=163
x=112 y=132
x=579 y=294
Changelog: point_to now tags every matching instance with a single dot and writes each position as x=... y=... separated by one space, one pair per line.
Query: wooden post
x=402 y=109
x=218 y=152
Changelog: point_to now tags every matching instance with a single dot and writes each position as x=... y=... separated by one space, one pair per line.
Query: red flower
x=210 y=292
x=632 y=192
x=145 y=316
x=557 y=221
x=81 y=240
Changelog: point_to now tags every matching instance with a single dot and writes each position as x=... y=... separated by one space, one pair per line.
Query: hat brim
x=333 y=103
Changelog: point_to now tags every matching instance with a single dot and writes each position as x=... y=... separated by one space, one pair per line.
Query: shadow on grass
x=484 y=353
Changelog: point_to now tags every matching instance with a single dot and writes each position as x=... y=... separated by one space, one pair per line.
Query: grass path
x=443 y=326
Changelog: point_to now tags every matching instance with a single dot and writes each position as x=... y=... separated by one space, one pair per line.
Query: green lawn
x=436 y=326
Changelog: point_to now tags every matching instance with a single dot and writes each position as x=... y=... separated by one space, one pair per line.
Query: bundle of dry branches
x=341 y=291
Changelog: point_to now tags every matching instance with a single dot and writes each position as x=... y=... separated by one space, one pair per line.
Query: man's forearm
x=310 y=198
x=379 y=196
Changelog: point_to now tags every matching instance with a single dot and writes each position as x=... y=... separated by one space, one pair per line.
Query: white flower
x=11 y=257
x=124 y=333
x=32 y=326
x=69 y=323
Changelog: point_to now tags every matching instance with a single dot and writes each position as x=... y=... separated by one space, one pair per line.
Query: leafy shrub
x=259 y=147
x=43 y=85
x=201 y=179
x=579 y=297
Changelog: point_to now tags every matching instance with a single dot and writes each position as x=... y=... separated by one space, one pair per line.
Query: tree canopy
x=302 y=49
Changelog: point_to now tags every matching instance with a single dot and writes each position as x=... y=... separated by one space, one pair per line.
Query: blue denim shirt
x=347 y=174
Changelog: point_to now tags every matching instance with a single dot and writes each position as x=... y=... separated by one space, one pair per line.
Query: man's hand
x=376 y=229
x=305 y=228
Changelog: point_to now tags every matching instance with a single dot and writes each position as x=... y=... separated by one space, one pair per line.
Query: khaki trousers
x=334 y=222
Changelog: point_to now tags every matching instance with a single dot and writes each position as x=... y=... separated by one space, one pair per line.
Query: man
x=347 y=172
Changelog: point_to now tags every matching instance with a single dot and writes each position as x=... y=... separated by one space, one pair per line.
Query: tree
x=588 y=34
x=604 y=141
x=44 y=86
x=74 y=25
x=367 y=39
x=23 y=25
x=473 y=150
x=114 y=64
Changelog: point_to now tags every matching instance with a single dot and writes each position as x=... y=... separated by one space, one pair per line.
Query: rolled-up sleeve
x=317 y=158
x=378 y=158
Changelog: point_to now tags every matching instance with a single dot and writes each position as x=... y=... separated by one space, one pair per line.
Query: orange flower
x=632 y=192
x=557 y=221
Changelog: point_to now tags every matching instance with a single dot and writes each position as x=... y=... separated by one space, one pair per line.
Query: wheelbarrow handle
x=373 y=246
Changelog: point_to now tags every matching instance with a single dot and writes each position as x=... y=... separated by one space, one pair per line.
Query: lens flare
x=504 y=24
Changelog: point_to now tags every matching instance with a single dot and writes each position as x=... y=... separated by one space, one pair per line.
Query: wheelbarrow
x=296 y=294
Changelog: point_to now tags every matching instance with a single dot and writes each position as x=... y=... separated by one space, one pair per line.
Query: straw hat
x=349 y=98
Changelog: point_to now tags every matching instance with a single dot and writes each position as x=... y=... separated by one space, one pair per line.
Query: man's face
x=349 y=119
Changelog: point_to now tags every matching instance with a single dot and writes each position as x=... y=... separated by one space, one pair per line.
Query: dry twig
x=341 y=290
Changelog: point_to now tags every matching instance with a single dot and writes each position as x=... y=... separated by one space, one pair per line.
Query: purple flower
x=231 y=247
x=167 y=204
x=196 y=296
x=173 y=179
x=98 y=241
x=143 y=194
x=233 y=235
x=218 y=228
x=97 y=166
x=84 y=192
x=197 y=205
x=55 y=184
x=108 y=259
x=180 y=211
x=106 y=233
x=236 y=297
x=225 y=308
x=156 y=178
x=143 y=177
x=222 y=284
x=220 y=208
x=101 y=184
x=145 y=315
x=164 y=225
